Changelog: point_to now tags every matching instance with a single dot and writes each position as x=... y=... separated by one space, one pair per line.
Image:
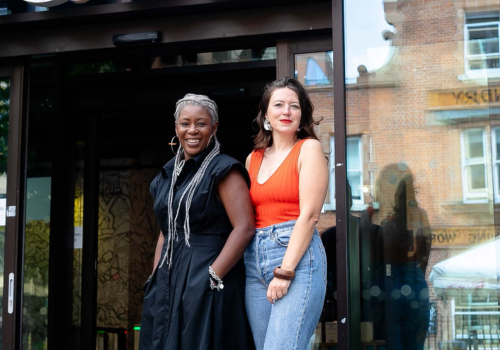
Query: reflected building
x=432 y=107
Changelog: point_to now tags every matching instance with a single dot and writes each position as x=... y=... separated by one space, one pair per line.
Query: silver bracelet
x=219 y=285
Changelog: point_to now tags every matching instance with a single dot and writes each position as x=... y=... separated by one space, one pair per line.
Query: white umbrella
x=475 y=268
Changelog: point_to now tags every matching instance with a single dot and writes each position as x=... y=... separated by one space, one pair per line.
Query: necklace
x=178 y=167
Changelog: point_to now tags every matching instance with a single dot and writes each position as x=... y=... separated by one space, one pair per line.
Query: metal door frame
x=13 y=255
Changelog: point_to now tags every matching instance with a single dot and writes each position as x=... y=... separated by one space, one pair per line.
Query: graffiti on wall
x=127 y=236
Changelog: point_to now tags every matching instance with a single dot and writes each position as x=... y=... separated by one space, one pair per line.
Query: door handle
x=11 y=293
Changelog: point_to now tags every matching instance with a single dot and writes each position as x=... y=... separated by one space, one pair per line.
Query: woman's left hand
x=278 y=288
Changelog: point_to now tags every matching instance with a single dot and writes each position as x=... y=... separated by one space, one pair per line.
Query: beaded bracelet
x=219 y=285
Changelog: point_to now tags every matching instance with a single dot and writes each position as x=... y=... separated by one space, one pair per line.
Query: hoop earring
x=172 y=143
x=267 y=125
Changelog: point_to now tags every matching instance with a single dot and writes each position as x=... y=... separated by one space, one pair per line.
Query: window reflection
x=430 y=175
x=395 y=296
x=314 y=69
x=423 y=166
x=38 y=204
x=186 y=59
x=4 y=130
x=483 y=50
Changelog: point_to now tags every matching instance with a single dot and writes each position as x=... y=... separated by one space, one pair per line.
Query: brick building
x=430 y=110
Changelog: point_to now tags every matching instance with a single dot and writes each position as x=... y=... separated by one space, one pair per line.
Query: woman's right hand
x=278 y=288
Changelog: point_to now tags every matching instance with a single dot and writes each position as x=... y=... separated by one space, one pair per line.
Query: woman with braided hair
x=195 y=297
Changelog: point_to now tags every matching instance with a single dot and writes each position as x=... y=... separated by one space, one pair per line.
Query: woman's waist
x=271 y=215
x=200 y=238
x=278 y=229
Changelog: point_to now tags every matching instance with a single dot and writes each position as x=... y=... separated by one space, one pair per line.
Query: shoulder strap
x=293 y=159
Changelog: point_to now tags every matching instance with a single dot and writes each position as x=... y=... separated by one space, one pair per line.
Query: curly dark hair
x=264 y=138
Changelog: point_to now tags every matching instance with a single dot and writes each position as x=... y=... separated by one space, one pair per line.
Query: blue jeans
x=289 y=323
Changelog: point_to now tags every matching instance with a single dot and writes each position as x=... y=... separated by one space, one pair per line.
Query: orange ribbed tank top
x=277 y=199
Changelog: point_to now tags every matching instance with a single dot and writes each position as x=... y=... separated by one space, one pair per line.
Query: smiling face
x=284 y=111
x=194 y=128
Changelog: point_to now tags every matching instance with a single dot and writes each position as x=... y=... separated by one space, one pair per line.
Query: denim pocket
x=323 y=258
x=284 y=238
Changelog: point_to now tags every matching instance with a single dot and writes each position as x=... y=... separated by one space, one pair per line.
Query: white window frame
x=479 y=73
x=496 y=164
x=357 y=204
x=480 y=197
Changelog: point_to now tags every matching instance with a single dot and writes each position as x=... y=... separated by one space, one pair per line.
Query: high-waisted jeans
x=289 y=323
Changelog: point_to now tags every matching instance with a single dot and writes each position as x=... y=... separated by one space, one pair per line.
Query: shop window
x=474 y=180
x=482 y=50
x=354 y=173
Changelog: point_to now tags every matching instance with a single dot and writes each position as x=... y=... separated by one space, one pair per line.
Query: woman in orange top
x=286 y=262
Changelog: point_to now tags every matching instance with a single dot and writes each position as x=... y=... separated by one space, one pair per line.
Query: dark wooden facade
x=86 y=34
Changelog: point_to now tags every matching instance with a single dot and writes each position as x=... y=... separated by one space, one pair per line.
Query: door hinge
x=11 y=211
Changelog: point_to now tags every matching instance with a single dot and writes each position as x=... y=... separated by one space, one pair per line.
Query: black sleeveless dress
x=180 y=310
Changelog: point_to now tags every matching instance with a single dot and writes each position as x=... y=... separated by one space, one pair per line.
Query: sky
x=364 y=24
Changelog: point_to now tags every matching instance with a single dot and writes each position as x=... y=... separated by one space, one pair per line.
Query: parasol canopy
x=475 y=268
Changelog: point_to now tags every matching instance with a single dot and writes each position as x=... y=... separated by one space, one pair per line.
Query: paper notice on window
x=78 y=243
x=3 y=206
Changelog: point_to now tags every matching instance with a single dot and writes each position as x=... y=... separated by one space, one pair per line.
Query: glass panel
x=497 y=144
x=131 y=152
x=476 y=175
x=78 y=237
x=314 y=69
x=355 y=182
x=268 y=53
x=484 y=63
x=38 y=200
x=497 y=179
x=353 y=155
x=483 y=40
x=474 y=144
x=182 y=59
x=4 y=130
x=482 y=18
x=126 y=241
x=428 y=244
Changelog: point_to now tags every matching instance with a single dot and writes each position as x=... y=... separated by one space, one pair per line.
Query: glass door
x=422 y=159
x=310 y=60
x=11 y=89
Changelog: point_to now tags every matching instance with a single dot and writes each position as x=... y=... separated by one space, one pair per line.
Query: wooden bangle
x=283 y=274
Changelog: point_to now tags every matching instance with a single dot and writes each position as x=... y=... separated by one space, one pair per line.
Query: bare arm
x=159 y=246
x=234 y=194
x=313 y=184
